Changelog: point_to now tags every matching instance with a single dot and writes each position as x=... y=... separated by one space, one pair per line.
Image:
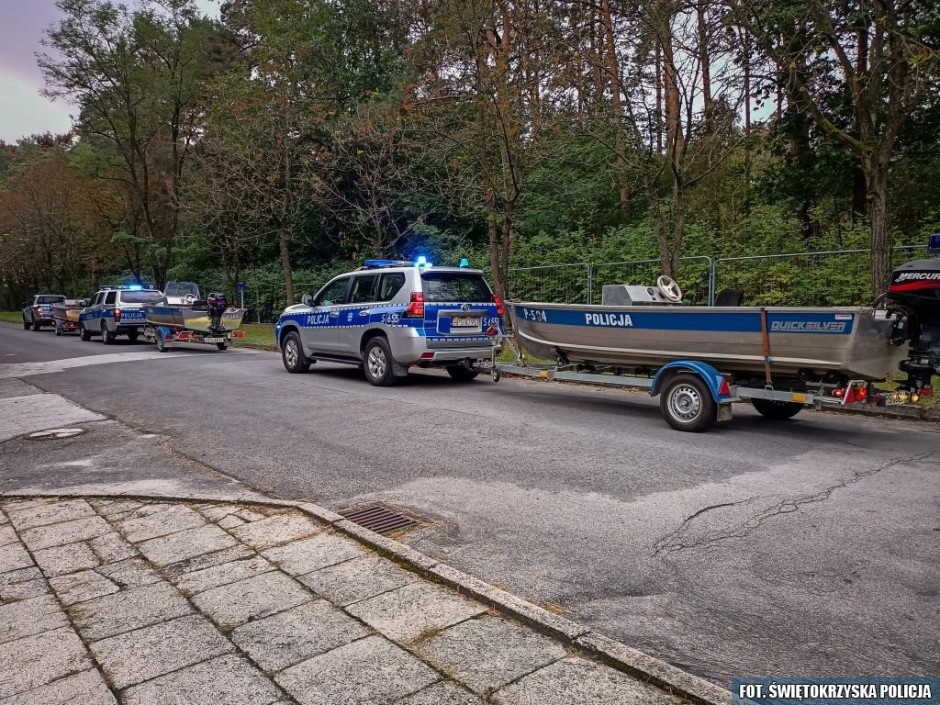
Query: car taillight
x=117 y=314
x=500 y=309
x=38 y=309
x=416 y=307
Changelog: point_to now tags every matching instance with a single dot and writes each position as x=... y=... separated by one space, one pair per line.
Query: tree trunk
x=705 y=60
x=882 y=239
x=286 y=268
x=613 y=70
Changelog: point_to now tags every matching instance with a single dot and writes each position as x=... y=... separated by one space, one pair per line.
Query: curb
x=644 y=667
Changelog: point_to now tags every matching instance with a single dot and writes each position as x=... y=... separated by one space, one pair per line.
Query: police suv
x=388 y=316
x=117 y=310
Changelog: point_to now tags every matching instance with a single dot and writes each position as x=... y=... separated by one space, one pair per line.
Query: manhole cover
x=55 y=433
x=379 y=518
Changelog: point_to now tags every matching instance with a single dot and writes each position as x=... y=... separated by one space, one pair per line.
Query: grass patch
x=11 y=316
x=257 y=335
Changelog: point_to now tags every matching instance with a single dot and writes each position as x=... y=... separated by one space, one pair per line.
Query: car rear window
x=455 y=286
x=141 y=297
x=49 y=299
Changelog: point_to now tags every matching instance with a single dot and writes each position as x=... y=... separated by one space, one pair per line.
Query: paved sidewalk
x=153 y=603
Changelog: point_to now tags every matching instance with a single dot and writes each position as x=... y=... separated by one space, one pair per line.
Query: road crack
x=678 y=540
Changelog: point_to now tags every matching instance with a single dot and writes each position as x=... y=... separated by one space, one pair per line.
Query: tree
x=859 y=70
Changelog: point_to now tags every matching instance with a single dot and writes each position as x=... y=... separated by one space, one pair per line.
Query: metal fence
x=829 y=278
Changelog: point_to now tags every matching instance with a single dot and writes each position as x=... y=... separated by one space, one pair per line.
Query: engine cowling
x=914 y=298
x=216 y=305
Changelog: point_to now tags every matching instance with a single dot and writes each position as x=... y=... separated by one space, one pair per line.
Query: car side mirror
x=307 y=300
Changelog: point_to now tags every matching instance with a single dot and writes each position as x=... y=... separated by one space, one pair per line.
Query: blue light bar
x=933 y=245
x=382 y=263
x=422 y=261
x=135 y=287
x=464 y=263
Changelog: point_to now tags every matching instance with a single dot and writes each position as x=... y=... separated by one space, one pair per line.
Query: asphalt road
x=810 y=547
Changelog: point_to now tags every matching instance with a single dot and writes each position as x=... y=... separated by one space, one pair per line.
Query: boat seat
x=729 y=297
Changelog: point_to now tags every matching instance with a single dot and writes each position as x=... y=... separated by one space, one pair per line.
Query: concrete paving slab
x=131 y=609
x=227 y=680
x=64 y=533
x=118 y=506
x=27 y=617
x=186 y=544
x=111 y=547
x=137 y=656
x=22 y=575
x=275 y=531
x=49 y=512
x=488 y=652
x=79 y=587
x=168 y=520
x=314 y=553
x=202 y=580
x=575 y=681
x=215 y=512
x=289 y=637
x=62 y=560
x=357 y=579
x=14 y=557
x=7 y=535
x=443 y=693
x=230 y=522
x=371 y=671
x=414 y=611
x=260 y=596
x=207 y=560
x=130 y=573
x=37 y=412
x=23 y=590
x=87 y=688
x=39 y=659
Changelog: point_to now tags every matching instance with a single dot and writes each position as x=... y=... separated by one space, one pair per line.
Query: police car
x=117 y=310
x=388 y=316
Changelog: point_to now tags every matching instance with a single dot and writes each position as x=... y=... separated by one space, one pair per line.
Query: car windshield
x=455 y=286
x=141 y=297
x=49 y=299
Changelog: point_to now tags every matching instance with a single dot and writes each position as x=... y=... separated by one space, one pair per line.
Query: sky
x=23 y=109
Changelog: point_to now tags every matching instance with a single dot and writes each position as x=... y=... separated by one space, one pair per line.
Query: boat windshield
x=181 y=289
x=141 y=297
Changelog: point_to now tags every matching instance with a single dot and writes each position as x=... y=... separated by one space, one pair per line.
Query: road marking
x=38 y=412
x=28 y=369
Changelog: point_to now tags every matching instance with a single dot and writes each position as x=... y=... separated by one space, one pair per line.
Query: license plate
x=463 y=322
x=214 y=340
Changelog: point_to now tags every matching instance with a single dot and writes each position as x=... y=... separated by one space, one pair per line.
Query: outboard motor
x=216 y=304
x=913 y=300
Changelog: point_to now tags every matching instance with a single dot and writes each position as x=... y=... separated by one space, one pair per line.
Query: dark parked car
x=38 y=312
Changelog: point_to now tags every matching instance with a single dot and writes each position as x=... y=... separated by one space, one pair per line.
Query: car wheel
x=84 y=333
x=777 y=410
x=378 y=363
x=107 y=337
x=133 y=337
x=57 y=330
x=25 y=323
x=687 y=403
x=292 y=353
x=462 y=372
x=36 y=325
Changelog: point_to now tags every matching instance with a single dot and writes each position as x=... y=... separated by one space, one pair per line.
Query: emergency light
x=933 y=244
x=422 y=261
x=464 y=263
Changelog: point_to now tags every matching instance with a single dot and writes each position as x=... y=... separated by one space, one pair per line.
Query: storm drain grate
x=379 y=518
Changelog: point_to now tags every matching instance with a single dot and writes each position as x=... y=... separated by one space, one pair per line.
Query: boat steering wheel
x=669 y=289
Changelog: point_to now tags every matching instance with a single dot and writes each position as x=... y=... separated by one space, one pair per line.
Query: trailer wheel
x=161 y=343
x=462 y=372
x=687 y=404
x=222 y=346
x=777 y=410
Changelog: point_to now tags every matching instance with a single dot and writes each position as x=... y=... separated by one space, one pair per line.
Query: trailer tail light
x=500 y=309
x=184 y=335
x=238 y=334
x=725 y=388
x=416 y=307
x=117 y=315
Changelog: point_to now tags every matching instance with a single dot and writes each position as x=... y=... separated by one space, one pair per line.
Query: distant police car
x=117 y=311
x=388 y=316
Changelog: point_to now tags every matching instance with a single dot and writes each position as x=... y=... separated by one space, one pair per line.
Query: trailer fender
x=716 y=383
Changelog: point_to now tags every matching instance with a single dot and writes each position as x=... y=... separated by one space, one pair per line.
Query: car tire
x=83 y=333
x=686 y=403
x=107 y=337
x=292 y=354
x=378 y=363
x=461 y=372
x=777 y=410
x=133 y=337
x=58 y=332
x=25 y=323
x=36 y=325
